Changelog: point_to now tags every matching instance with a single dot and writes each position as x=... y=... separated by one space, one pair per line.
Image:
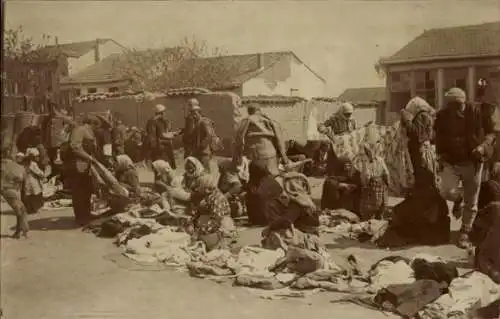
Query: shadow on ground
x=53 y=223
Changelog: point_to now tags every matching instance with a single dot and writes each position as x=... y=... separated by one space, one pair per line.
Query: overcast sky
x=341 y=40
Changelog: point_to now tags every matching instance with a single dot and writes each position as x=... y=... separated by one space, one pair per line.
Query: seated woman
x=485 y=234
x=212 y=222
x=293 y=217
x=232 y=182
x=343 y=189
x=422 y=218
x=127 y=176
x=261 y=188
x=175 y=198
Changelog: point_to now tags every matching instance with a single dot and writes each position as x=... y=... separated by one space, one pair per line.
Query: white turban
x=347 y=108
x=456 y=94
x=159 y=108
x=32 y=152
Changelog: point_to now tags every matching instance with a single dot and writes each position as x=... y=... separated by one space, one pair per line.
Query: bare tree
x=379 y=68
x=18 y=46
x=192 y=63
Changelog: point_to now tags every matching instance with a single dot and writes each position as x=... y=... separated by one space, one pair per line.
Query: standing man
x=160 y=137
x=204 y=139
x=340 y=123
x=464 y=141
x=82 y=153
x=119 y=136
x=187 y=133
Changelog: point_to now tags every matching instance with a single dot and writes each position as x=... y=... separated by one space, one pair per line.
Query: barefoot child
x=32 y=191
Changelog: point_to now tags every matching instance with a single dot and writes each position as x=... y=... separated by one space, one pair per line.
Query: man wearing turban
x=464 y=142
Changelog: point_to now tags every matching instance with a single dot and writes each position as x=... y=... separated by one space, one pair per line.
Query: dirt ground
x=61 y=272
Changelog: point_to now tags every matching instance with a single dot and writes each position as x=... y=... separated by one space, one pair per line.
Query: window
x=460 y=83
x=91 y=90
x=78 y=92
x=113 y=89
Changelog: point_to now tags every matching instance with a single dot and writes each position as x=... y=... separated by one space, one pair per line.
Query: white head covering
x=456 y=94
x=161 y=166
x=418 y=104
x=124 y=162
x=159 y=108
x=199 y=169
x=20 y=154
x=32 y=152
x=346 y=108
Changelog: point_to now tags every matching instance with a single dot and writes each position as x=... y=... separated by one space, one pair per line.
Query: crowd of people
x=450 y=149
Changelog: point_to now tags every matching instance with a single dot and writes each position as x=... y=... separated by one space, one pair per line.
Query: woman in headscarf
x=486 y=228
x=13 y=177
x=232 y=183
x=33 y=185
x=343 y=188
x=194 y=169
x=126 y=174
x=212 y=222
x=422 y=218
x=293 y=217
x=175 y=198
x=418 y=120
x=374 y=177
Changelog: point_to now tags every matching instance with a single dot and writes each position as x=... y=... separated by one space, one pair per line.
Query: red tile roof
x=472 y=41
x=366 y=94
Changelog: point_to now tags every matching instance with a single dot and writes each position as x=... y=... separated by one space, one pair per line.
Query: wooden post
x=471 y=83
x=440 y=88
x=388 y=105
x=413 y=84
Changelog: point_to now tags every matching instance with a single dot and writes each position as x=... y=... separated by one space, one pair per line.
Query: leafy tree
x=18 y=46
x=379 y=68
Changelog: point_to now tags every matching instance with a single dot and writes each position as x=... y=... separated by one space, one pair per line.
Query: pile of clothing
x=345 y=224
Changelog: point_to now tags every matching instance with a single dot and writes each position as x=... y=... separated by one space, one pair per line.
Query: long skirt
x=373 y=199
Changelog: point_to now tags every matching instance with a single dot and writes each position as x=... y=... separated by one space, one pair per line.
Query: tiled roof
x=109 y=69
x=227 y=71
x=366 y=94
x=105 y=70
x=186 y=91
x=271 y=99
x=481 y=40
x=73 y=50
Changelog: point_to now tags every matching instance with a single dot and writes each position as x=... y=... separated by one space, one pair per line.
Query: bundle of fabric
x=329 y=219
x=58 y=204
x=370 y=230
x=164 y=246
x=465 y=295
x=248 y=261
x=392 y=146
x=129 y=227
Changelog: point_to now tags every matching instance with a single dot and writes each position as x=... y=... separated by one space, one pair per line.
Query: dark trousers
x=166 y=153
x=81 y=194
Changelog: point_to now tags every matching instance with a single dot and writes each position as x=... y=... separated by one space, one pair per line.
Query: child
x=32 y=190
x=20 y=158
x=374 y=180
x=12 y=179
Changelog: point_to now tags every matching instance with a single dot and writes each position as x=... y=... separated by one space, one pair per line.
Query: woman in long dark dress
x=422 y=218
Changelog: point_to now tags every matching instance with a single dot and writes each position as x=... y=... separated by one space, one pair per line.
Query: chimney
x=97 y=56
x=57 y=40
x=260 y=57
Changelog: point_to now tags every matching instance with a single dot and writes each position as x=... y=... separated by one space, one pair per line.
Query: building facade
x=467 y=57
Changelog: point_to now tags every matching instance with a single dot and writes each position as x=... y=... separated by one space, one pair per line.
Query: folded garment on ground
x=259 y=281
x=465 y=295
x=407 y=299
x=388 y=273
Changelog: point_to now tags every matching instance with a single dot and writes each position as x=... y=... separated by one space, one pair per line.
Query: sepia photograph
x=241 y=159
